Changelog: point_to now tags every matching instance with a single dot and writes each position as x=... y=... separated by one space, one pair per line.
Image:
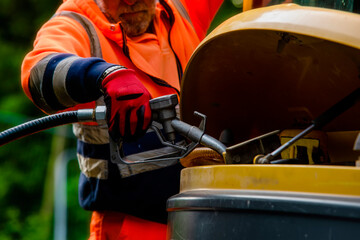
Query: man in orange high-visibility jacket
x=118 y=53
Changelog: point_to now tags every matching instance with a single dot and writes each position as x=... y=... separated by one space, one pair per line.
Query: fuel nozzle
x=163 y=110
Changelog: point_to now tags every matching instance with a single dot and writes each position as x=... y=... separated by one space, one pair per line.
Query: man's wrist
x=107 y=72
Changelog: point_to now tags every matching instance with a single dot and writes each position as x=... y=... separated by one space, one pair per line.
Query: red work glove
x=127 y=103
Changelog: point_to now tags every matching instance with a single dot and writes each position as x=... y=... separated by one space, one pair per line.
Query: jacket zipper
x=179 y=69
x=172 y=20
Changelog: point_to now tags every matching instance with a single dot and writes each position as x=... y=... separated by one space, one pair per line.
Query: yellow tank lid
x=271 y=68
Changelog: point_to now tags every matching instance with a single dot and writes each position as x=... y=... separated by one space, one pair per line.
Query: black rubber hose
x=37 y=125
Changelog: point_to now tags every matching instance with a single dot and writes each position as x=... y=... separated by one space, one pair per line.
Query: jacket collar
x=112 y=31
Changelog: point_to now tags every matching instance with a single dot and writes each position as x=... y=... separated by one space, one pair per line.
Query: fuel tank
x=267 y=69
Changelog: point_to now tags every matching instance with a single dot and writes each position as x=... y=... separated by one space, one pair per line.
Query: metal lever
x=326 y=117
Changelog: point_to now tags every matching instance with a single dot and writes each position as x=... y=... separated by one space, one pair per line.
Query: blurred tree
x=228 y=9
x=24 y=162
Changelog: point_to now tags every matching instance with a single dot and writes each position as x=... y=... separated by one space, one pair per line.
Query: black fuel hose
x=37 y=125
x=40 y=124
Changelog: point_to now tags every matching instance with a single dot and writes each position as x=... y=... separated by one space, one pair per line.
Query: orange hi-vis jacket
x=153 y=56
x=61 y=73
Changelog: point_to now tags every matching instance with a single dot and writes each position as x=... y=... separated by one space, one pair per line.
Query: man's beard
x=137 y=26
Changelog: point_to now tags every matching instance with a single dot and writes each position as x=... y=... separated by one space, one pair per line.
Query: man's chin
x=134 y=30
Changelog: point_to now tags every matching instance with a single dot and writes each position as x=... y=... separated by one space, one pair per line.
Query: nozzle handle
x=163 y=109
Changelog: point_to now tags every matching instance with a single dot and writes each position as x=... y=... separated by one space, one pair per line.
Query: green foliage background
x=26 y=165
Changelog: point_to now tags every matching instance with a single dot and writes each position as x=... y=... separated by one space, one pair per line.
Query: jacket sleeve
x=59 y=72
x=201 y=13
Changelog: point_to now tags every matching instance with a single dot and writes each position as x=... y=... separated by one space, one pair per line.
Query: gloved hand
x=127 y=102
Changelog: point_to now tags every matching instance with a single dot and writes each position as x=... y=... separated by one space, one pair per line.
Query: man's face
x=135 y=15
